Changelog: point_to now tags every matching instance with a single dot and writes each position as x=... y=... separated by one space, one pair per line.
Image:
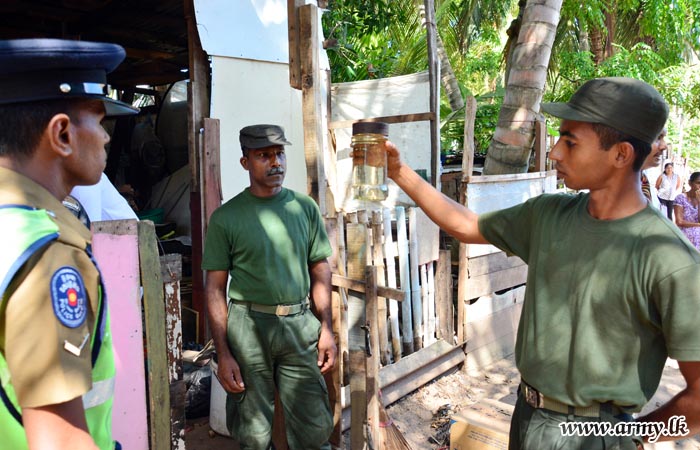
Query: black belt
x=537 y=400
x=277 y=310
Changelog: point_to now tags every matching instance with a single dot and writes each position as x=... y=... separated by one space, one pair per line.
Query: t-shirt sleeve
x=319 y=245
x=217 y=248
x=49 y=319
x=677 y=301
x=510 y=229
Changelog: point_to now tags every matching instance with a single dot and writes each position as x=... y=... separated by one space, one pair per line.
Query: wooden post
x=294 y=47
x=373 y=323
x=312 y=104
x=378 y=262
x=211 y=170
x=434 y=77
x=334 y=379
x=540 y=145
x=390 y=256
x=171 y=271
x=154 y=312
x=197 y=109
x=443 y=297
x=405 y=280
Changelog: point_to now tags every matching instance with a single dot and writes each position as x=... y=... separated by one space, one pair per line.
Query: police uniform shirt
x=49 y=357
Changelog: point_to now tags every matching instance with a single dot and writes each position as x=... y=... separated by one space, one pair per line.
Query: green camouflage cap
x=628 y=105
x=261 y=136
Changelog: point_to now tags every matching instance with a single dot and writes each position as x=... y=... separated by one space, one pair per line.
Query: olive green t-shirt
x=266 y=244
x=606 y=301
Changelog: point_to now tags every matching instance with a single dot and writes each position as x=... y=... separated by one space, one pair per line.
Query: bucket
x=155 y=215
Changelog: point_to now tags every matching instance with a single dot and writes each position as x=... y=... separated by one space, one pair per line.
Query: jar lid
x=370 y=127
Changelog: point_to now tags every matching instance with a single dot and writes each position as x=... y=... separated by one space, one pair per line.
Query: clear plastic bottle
x=369 y=161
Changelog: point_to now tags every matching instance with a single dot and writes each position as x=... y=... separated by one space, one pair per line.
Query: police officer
x=56 y=358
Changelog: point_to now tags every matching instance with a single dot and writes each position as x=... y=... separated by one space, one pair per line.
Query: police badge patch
x=68 y=297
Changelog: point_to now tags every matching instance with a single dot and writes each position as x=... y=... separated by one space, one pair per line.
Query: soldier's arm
x=449 y=215
x=685 y=404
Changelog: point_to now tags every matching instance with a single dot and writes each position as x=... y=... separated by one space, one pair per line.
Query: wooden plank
x=356 y=251
x=405 y=281
x=540 y=145
x=429 y=242
x=493 y=262
x=390 y=253
x=510 y=177
x=115 y=247
x=343 y=330
x=462 y=278
x=378 y=262
x=338 y=304
x=443 y=297
x=468 y=151
x=211 y=170
x=359 y=286
x=311 y=103
x=171 y=273
x=358 y=398
x=400 y=379
x=399 y=118
x=416 y=303
x=294 y=48
x=492 y=338
x=373 y=357
x=154 y=312
x=427 y=337
x=489 y=283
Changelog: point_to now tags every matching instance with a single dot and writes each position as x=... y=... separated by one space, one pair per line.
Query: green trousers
x=277 y=352
x=538 y=429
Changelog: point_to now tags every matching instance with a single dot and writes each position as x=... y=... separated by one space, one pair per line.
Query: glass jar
x=369 y=175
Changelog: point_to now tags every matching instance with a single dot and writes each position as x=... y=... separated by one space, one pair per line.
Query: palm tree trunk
x=510 y=148
x=448 y=78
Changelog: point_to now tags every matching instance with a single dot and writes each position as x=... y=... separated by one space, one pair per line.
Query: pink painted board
x=115 y=246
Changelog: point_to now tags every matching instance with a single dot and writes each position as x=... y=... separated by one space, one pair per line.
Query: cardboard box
x=484 y=426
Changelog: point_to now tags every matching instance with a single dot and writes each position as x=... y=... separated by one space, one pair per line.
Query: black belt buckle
x=532 y=397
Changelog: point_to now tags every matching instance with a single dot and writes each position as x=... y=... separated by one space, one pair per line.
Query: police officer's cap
x=50 y=69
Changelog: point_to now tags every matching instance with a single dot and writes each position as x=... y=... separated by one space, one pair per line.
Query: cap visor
x=565 y=111
x=116 y=108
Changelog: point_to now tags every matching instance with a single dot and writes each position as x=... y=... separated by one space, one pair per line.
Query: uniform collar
x=18 y=189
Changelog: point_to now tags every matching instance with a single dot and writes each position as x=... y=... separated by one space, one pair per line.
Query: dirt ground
x=423 y=416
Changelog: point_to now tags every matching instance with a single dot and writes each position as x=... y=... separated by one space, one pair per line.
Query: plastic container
x=369 y=177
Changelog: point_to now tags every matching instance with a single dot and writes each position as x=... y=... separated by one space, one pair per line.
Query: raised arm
x=449 y=215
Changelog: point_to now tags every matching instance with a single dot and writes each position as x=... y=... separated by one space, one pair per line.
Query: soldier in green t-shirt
x=272 y=327
x=613 y=287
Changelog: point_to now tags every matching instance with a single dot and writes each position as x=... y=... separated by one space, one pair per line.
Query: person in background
x=56 y=358
x=653 y=160
x=668 y=185
x=273 y=244
x=612 y=289
x=103 y=201
x=686 y=209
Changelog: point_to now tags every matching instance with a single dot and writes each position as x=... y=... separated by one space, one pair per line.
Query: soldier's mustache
x=276 y=171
